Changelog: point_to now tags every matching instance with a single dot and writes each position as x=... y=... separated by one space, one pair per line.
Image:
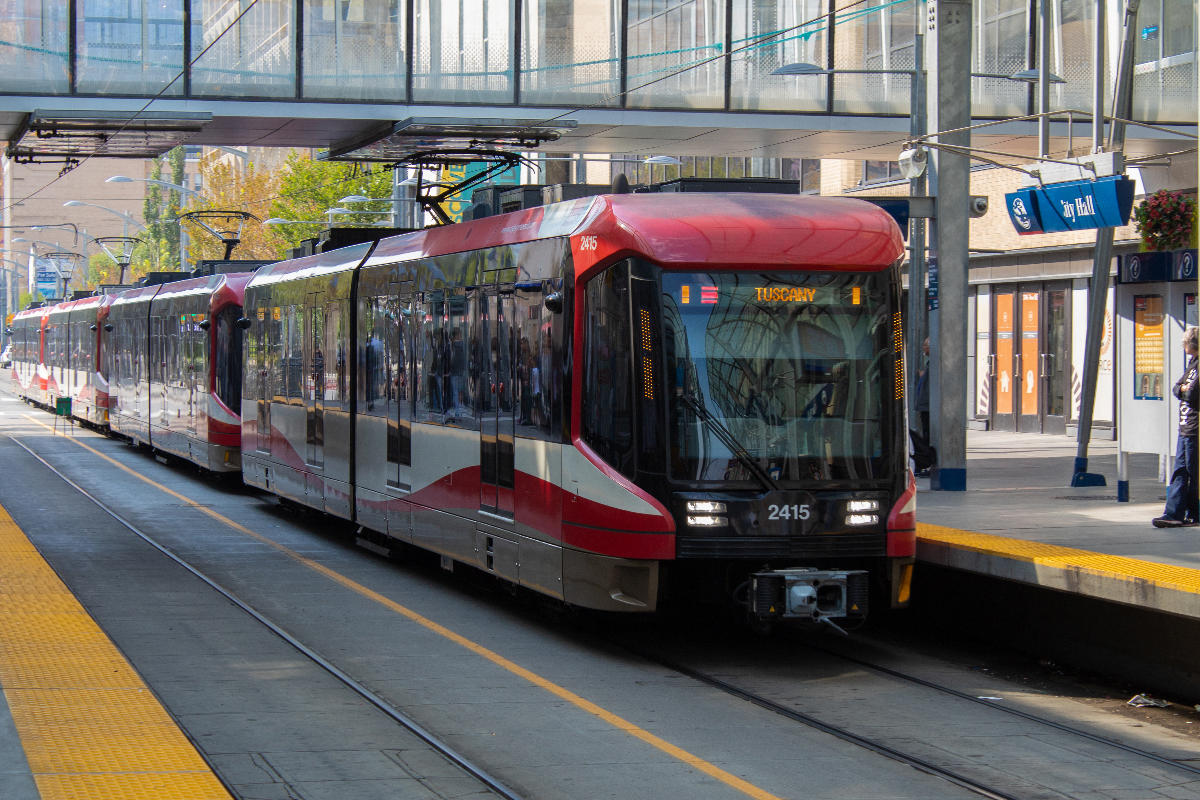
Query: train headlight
x=862 y=519
x=706 y=520
x=857 y=506
x=705 y=507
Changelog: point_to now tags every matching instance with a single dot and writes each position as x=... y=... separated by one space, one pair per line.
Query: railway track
x=1187 y=771
x=815 y=721
x=866 y=742
x=1015 y=712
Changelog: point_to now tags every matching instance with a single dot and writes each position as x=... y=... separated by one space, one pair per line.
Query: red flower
x=1165 y=220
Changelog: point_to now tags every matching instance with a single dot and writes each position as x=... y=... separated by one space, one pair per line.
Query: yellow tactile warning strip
x=1184 y=579
x=89 y=726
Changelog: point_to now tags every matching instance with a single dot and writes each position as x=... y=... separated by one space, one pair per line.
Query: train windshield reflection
x=795 y=368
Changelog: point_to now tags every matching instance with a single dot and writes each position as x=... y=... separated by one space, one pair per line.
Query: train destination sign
x=1071 y=206
x=766 y=295
x=784 y=294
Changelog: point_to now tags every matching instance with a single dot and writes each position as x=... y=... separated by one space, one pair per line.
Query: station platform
x=76 y=720
x=1020 y=520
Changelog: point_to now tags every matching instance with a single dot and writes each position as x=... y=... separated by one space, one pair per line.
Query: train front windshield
x=787 y=374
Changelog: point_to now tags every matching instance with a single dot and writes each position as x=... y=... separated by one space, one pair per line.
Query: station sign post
x=1071 y=206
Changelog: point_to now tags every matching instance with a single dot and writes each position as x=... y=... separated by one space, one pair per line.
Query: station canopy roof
x=399 y=141
x=48 y=136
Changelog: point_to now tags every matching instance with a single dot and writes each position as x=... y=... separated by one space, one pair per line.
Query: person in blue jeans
x=1182 y=504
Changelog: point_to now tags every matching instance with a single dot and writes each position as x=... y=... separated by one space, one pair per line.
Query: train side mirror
x=205 y=325
x=554 y=302
x=243 y=323
x=108 y=328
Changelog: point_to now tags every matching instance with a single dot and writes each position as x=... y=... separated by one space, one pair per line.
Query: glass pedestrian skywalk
x=644 y=54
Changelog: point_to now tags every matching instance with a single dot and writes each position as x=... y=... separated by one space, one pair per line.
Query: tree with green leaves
x=307 y=187
x=159 y=250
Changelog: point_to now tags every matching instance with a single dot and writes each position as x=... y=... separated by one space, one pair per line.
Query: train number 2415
x=775 y=511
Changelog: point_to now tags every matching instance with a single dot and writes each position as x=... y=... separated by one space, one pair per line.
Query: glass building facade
x=652 y=54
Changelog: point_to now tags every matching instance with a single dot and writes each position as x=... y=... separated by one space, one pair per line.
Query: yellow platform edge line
x=56 y=665
x=1132 y=570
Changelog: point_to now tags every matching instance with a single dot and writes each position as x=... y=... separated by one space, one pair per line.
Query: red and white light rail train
x=616 y=401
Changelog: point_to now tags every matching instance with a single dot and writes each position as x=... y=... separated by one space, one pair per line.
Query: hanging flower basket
x=1165 y=220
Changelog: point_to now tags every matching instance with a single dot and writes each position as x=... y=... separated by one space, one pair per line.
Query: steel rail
x=1026 y=715
x=916 y=762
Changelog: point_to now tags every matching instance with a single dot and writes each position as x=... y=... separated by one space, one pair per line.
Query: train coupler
x=809 y=594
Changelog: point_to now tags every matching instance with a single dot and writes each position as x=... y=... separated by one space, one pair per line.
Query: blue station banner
x=1072 y=206
x=1155 y=267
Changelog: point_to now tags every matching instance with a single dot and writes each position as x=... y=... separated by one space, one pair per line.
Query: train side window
x=607 y=369
x=429 y=358
x=404 y=380
x=373 y=358
x=289 y=356
x=394 y=379
x=385 y=361
x=336 y=366
x=535 y=351
x=460 y=406
x=228 y=367
x=174 y=371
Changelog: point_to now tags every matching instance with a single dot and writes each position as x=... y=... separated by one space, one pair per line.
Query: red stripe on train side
x=621 y=544
x=589 y=512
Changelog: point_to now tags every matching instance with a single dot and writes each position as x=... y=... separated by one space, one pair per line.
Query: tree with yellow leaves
x=301 y=189
x=234 y=187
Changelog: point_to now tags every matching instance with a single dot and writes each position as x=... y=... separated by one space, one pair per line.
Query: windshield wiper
x=730 y=441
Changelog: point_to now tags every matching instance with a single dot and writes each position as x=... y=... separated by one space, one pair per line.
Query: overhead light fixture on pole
x=913 y=160
x=124 y=216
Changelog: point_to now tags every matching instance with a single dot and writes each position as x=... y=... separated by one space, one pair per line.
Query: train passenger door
x=195 y=372
x=158 y=369
x=262 y=335
x=399 y=347
x=314 y=385
x=497 y=423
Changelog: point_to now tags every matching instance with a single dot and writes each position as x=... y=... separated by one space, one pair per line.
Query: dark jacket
x=923 y=386
x=1187 y=389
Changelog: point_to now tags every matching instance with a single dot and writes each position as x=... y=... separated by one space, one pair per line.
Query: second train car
x=173 y=363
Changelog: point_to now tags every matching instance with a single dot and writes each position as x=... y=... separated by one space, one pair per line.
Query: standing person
x=1182 y=502
x=923 y=389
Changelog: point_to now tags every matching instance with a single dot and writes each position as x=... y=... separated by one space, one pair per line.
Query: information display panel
x=1148 y=347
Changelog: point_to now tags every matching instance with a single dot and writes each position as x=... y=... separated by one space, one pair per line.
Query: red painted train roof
x=67 y=306
x=223 y=288
x=746 y=229
x=684 y=229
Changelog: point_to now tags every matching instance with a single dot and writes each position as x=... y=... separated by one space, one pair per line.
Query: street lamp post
x=183 y=235
x=57 y=255
x=405 y=211
x=127 y=218
x=7 y=303
x=917 y=301
x=173 y=186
